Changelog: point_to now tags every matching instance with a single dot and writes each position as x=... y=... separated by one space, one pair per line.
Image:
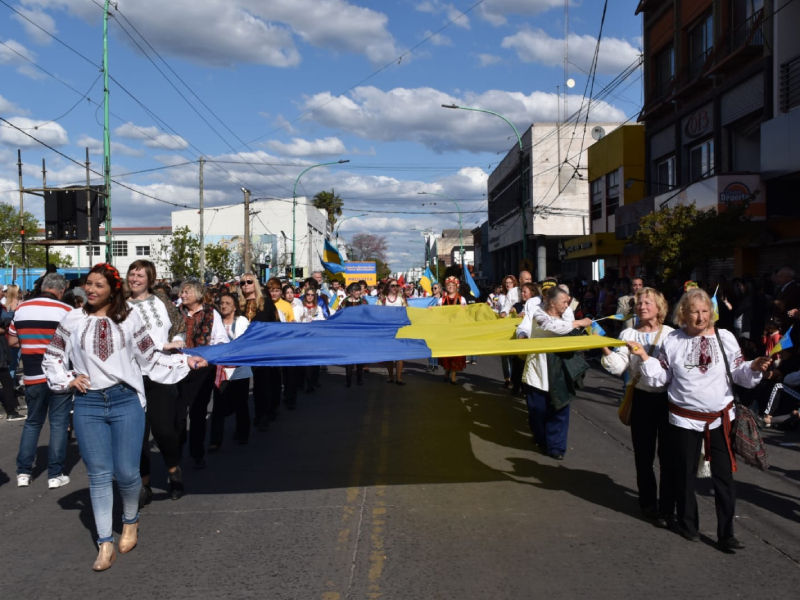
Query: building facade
x=548 y=180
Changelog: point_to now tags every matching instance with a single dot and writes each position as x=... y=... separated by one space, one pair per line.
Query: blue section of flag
x=596 y=329
x=332 y=268
x=331 y=254
x=784 y=343
x=471 y=283
x=412 y=302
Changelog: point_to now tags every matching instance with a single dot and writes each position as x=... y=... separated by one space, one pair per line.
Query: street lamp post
x=340 y=224
x=294 y=212
x=460 y=227
x=521 y=170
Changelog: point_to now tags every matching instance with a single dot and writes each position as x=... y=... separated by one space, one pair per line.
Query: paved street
x=427 y=491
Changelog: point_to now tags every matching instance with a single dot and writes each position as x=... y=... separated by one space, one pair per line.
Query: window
x=665 y=175
x=142 y=250
x=119 y=248
x=664 y=71
x=701 y=160
x=92 y=250
x=597 y=199
x=701 y=42
x=612 y=192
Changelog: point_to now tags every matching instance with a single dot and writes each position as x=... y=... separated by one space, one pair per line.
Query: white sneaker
x=23 y=480
x=57 y=482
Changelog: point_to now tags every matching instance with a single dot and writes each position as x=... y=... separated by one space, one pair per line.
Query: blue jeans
x=548 y=425
x=41 y=400
x=109 y=425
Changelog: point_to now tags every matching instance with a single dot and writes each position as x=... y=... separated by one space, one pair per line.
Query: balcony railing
x=789 y=93
x=747 y=33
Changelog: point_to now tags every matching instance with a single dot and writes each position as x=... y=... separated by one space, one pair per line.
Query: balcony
x=789 y=93
x=740 y=45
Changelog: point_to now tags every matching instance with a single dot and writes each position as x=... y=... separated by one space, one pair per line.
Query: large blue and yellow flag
x=332 y=269
x=332 y=261
x=427 y=280
x=473 y=288
x=381 y=333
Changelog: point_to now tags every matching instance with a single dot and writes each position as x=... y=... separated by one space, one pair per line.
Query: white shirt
x=511 y=298
x=156 y=319
x=311 y=314
x=108 y=354
x=693 y=368
x=233 y=331
x=542 y=325
x=398 y=301
x=218 y=334
x=621 y=358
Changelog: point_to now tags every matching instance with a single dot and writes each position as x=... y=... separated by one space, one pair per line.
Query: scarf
x=199 y=326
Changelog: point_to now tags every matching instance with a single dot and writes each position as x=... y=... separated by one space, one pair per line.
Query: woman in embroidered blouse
x=693 y=367
x=231 y=395
x=203 y=328
x=650 y=410
x=452 y=364
x=392 y=296
x=100 y=352
x=251 y=300
x=164 y=324
x=550 y=426
x=312 y=311
x=353 y=299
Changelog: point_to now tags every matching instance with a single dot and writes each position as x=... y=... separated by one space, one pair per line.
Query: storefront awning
x=593 y=245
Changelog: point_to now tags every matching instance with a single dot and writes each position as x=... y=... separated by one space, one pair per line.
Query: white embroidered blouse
x=108 y=354
x=621 y=358
x=694 y=371
x=156 y=319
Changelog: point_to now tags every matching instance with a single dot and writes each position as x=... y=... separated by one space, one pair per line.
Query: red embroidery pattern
x=58 y=342
x=103 y=340
x=143 y=341
x=703 y=355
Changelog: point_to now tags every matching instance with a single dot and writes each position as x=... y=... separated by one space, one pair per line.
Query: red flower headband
x=114 y=273
x=451 y=278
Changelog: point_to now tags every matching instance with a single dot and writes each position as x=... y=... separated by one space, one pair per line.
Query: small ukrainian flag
x=596 y=329
x=784 y=343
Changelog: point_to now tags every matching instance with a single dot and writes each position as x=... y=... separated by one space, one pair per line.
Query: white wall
x=148 y=238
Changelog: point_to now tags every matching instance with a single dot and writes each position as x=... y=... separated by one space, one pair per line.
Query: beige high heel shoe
x=106 y=556
x=129 y=537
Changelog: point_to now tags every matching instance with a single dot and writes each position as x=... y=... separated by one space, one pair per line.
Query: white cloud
x=484 y=60
x=496 y=11
x=453 y=13
x=438 y=39
x=416 y=115
x=329 y=146
x=117 y=148
x=39 y=17
x=14 y=54
x=50 y=133
x=223 y=33
x=151 y=137
x=536 y=46
x=9 y=108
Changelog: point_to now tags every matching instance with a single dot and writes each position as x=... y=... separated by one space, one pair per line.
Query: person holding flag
x=786 y=375
x=393 y=296
x=427 y=280
x=353 y=299
x=452 y=364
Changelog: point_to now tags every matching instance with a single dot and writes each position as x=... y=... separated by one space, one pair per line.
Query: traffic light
x=65 y=213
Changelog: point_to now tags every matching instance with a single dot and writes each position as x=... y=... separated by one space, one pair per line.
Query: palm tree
x=331 y=202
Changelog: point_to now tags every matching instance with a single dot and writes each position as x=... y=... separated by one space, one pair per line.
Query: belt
x=708 y=418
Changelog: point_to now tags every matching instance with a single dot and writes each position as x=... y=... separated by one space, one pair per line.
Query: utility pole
x=202 y=228
x=247 y=265
x=21 y=216
x=107 y=140
x=88 y=217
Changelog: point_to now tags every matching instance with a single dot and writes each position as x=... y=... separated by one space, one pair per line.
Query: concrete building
x=482 y=271
x=550 y=181
x=270 y=232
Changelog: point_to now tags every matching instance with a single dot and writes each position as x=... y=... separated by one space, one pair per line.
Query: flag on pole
x=427 y=280
x=616 y=317
x=400 y=281
x=597 y=330
x=473 y=288
x=332 y=269
x=332 y=261
x=784 y=343
x=715 y=304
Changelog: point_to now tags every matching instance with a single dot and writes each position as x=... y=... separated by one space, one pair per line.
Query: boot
x=176 y=489
x=129 y=537
x=105 y=557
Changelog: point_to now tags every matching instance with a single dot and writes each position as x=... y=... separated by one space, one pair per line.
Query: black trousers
x=231 y=398
x=195 y=391
x=292 y=377
x=348 y=371
x=162 y=419
x=650 y=435
x=266 y=392
x=9 y=397
x=687 y=444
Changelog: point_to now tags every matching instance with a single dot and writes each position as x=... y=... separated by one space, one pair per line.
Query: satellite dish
x=598 y=132
x=570 y=83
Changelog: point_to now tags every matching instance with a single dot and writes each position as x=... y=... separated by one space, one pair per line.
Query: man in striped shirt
x=34 y=324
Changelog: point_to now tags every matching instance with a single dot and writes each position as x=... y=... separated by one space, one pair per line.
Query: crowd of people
x=103 y=359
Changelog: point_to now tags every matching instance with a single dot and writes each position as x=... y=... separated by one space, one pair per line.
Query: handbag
x=746 y=440
x=626 y=408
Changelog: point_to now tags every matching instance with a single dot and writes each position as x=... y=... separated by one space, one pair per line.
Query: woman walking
x=164 y=324
x=232 y=394
x=100 y=351
x=312 y=311
x=451 y=297
x=650 y=408
x=353 y=299
x=392 y=296
x=699 y=366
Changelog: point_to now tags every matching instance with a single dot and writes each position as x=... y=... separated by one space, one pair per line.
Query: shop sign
x=736 y=191
x=699 y=123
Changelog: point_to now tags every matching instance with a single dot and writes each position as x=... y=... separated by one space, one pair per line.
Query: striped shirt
x=34 y=324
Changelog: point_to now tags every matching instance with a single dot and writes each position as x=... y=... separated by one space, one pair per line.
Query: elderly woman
x=549 y=423
x=699 y=366
x=650 y=409
x=203 y=328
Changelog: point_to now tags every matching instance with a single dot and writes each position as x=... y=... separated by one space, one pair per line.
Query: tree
x=179 y=253
x=382 y=270
x=219 y=260
x=368 y=246
x=675 y=241
x=35 y=256
x=331 y=202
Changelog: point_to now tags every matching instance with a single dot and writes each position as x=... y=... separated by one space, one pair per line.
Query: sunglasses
x=246 y=282
x=394 y=285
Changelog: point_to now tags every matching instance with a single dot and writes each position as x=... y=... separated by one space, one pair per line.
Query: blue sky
x=302 y=82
